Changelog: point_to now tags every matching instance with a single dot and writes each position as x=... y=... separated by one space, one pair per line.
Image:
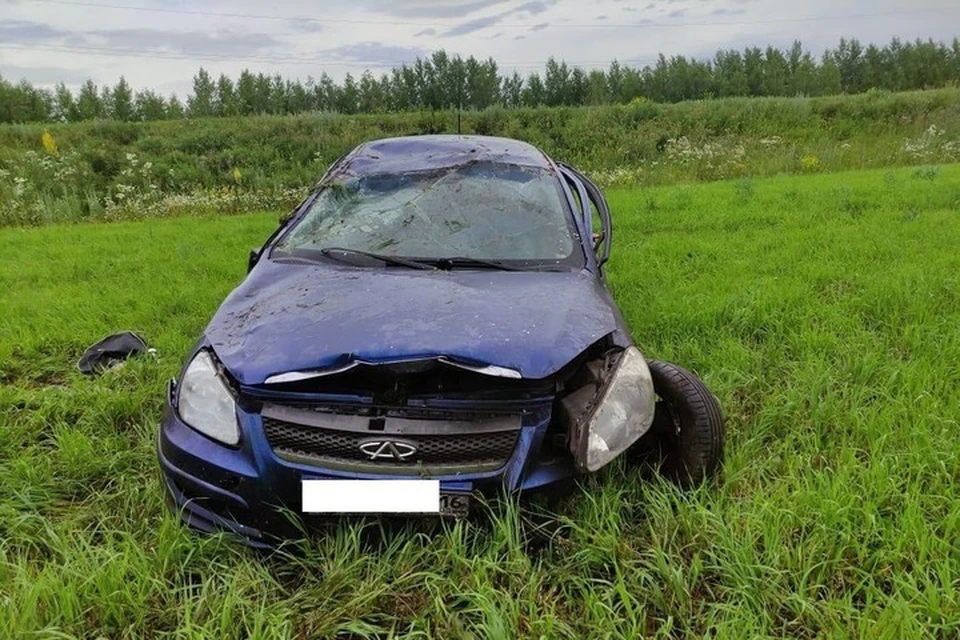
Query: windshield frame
x=577 y=259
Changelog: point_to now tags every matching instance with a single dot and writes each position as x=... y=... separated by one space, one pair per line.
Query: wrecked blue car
x=430 y=325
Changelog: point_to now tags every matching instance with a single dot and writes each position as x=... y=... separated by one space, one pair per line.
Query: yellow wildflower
x=49 y=144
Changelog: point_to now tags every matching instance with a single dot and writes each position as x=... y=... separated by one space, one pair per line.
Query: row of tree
x=442 y=81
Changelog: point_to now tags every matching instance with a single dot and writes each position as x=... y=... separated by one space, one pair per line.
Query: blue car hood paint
x=287 y=317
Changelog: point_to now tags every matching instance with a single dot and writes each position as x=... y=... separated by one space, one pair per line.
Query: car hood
x=296 y=317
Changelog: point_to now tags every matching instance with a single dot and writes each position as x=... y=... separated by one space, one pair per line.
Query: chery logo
x=387 y=450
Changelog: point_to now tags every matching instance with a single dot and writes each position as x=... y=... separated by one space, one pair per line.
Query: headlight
x=205 y=402
x=614 y=414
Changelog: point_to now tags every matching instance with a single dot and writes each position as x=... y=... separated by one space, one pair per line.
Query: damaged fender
x=612 y=410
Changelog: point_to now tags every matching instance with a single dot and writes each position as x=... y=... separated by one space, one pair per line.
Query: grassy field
x=824 y=311
x=116 y=170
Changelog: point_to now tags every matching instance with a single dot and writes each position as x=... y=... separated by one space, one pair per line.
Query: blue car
x=429 y=325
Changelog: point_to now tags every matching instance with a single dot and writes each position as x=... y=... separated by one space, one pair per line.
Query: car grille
x=434 y=453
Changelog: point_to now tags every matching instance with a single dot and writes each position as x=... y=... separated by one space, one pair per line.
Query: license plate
x=371 y=496
x=422 y=497
x=456 y=505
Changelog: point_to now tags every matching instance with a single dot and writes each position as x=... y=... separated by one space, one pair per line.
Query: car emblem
x=387 y=450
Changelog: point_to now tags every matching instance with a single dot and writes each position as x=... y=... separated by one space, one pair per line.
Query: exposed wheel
x=688 y=429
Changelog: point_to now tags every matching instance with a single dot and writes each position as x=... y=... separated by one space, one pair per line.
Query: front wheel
x=688 y=429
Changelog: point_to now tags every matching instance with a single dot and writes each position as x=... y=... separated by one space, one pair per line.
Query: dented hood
x=288 y=317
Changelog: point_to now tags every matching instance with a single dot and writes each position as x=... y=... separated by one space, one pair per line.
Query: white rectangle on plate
x=371 y=496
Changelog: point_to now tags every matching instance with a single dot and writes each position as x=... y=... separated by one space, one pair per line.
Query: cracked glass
x=482 y=210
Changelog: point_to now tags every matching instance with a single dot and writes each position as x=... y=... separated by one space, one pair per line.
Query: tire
x=688 y=426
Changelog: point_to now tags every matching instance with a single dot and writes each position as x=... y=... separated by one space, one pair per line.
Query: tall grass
x=822 y=310
x=114 y=170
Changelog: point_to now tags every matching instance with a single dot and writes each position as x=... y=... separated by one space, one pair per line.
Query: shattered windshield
x=481 y=211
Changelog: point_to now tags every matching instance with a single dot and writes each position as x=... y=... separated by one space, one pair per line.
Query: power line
x=137 y=53
x=607 y=25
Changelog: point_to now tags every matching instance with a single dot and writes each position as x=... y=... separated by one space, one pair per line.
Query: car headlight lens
x=205 y=403
x=625 y=411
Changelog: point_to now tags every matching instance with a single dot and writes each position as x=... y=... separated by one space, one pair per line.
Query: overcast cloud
x=160 y=44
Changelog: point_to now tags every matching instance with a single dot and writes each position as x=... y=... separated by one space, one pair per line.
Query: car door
x=593 y=211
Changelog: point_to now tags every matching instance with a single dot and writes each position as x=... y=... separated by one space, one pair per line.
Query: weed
x=83 y=172
x=927 y=173
x=744 y=189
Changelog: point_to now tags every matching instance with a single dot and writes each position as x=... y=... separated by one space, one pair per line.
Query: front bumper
x=252 y=493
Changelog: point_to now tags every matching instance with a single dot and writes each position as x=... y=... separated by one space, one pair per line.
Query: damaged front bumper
x=253 y=490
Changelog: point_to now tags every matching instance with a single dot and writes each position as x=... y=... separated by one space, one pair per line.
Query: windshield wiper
x=346 y=254
x=459 y=261
x=481 y=263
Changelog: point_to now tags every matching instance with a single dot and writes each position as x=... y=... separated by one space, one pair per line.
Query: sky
x=160 y=44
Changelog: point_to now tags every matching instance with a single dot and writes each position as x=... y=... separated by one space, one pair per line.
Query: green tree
x=175 y=110
x=279 y=100
x=597 y=90
x=225 y=99
x=89 y=105
x=776 y=75
x=829 y=81
x=556 y=83
x=483 y=82
x=326 y=94
x=64 y=105
x=106 y=100
x=149 y=105
x=730 y=74
x=246 y=93
x=299 y=99
x=201 y=103
x=122 y=101
x=370 y=97
x=534 y=93
x=615 y=82
x=349 y=97
x=511 y=91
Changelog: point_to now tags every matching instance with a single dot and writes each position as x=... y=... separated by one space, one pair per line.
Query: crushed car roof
x=425 y=153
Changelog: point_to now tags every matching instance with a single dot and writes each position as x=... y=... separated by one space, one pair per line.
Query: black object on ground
x=110 y=352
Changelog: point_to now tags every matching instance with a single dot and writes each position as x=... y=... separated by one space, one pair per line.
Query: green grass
x=824 y=311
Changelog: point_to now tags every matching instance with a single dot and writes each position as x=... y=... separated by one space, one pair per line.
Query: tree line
x=444 y=81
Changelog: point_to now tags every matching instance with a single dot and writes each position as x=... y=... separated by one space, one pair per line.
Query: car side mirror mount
x=253 y=259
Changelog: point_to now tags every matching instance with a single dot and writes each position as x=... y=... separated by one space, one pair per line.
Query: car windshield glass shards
x=483 y=211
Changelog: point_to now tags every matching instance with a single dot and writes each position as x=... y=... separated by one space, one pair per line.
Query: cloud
x=430 y=8
x=224 y=42
x=533 y=8
x=540 y=27
x=473 y=25
x=27 y=32
x=376 y=53
x=678 y=13
x=722 y=11
x=306 y=26
x=45 y=75
x=425 y=32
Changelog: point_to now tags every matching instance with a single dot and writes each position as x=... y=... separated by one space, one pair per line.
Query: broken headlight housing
x=205 y=403
x=611 y=409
